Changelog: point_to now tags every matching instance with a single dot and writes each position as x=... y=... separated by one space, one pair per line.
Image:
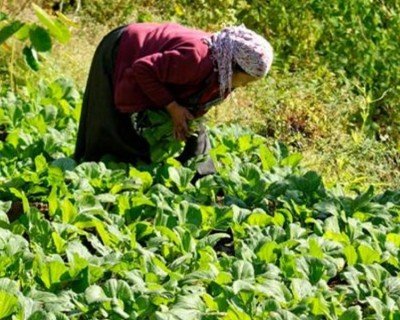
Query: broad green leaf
x=188 y=307
x=65 y=164
x=259 y=219
x=362 y=200
x=51 y=272
x=210 y=302
x=319 y=306
x=181 y=177
x=21 y=195
x=9 y=286
x=274 y=289
x=301 y=288
x=268 y=160
x=242 y=285
x=23 y=33
x=271 y=305
x=95 y=294
x=368 y=255
x=40 y=39
x=224 y=278
x=68 y=211
x=235 y=313
x=376 y=304
x=56 y=28
x=315 y=249
x=251 y=173
x=392 y=286
x=31 y=58
x=118 y=289
x=58 y=242
x=352 y=313
x=40 y=163
x=145 y=177
x=267 y=252
x=212 y=239
x=292 y=160
x=4 y=208
x=53 y=201
x=9 y=304
x=394 y=238
x=242 y=270
x=10 y=29
x=245 y=142
x=351 y=255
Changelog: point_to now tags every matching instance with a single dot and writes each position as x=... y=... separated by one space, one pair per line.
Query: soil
x=17 y=210
x=3 y=133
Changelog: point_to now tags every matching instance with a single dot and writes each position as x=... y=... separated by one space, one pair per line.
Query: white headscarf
x=240 y=45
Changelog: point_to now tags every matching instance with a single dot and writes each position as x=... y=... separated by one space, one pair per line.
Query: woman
x=163 y=66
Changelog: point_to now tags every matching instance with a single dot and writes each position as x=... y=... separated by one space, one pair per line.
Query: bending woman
x=163 y=66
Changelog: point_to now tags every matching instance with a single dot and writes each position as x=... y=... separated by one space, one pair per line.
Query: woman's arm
x=180 y=117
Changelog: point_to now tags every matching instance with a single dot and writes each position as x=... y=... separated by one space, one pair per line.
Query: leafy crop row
x=261 y=239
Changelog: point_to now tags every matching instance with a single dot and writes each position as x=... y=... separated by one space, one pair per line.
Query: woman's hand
x=180 y=117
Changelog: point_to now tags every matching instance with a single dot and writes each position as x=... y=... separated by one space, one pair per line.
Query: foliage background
x=333 y=92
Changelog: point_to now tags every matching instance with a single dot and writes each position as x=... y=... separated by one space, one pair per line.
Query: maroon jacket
x=160 y=63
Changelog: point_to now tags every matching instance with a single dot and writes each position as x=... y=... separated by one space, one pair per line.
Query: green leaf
x=23 y=33
x=274 y=289
x=8 y=305
x=145 y=177
x=267 y=252
x=315 y=249
x=181 y=177
x=268 y=161
x=7 y=31
x=259 y=219
x=351 y=255
x=51 y=272
x=65 y=164
x=40 y=163
x=251 y=173
x=56 y=28
x=301 y=288
x=53 y=201
x=368 y=255
x=40 y=39
x=31 y=58
x=188 y=307
x=377 y=305
x=68 y=211
x=362 y=200
x=242 y=270
x=292 y=160
x=352 y=313
x=392 y=286
x=118 y=289
x=393 y=238
x=242 y=285
x=95 y=294
x=319 y=306
x=234 y=313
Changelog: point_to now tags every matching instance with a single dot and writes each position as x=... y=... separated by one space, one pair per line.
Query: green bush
x=355 y=39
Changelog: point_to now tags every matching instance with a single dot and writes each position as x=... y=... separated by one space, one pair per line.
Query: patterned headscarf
x=239 y=45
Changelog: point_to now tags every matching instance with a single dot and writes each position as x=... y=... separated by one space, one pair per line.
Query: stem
x=11 y=67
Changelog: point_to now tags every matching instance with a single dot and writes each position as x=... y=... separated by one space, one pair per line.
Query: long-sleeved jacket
x=159 y=63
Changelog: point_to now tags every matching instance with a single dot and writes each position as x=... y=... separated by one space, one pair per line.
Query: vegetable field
x=265 y=237
x=261 y=239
